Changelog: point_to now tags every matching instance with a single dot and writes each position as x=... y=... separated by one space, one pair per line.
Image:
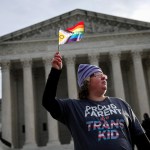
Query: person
x=95 y=121
x=146 y=124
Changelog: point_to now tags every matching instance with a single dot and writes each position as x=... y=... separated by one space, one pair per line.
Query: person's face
x=98 y=82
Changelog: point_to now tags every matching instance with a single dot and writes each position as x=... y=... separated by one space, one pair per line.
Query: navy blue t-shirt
x=104 y=125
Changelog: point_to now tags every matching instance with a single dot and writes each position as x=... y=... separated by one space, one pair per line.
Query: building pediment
x=95 y=23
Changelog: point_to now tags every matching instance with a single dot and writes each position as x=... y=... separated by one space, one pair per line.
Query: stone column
x=53 y=136
x=29 y=107
x=117 y=75
x=140 y=84
x=93 y=58
x=47 y=64
x=6 y=103
x=71 y=77
x=148 y=75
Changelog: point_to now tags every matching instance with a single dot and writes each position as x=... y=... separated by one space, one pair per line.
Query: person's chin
x=104 y=89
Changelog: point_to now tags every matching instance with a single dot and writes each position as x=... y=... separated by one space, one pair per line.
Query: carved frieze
x=94 y=23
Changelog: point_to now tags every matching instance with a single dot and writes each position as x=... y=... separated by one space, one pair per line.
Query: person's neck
x=97 y=98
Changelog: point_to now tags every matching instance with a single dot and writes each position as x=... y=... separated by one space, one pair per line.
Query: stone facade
x=120 y=46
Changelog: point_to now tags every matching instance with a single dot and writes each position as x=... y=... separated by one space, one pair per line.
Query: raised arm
x=49 y=102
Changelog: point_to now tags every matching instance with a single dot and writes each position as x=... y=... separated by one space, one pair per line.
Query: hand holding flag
x=57 y=61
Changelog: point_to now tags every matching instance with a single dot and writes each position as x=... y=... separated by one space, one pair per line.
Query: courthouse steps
x=49 y=147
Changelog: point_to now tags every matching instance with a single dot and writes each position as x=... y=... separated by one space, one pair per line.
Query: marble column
x=47 y=65
x=29 y=107
x=148 y=75
x=71 y=77
x=6 y=103
x=93 y=59
x=117 y=75
x=53 y=135
x=140 y=84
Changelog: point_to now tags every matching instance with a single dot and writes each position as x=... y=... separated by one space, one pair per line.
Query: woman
x=95 y=121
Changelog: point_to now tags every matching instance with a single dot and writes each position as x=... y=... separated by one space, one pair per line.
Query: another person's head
x=146 y=116
x=91 y=79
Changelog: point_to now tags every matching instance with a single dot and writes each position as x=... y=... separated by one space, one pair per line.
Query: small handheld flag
x=71 y=34
x=63 y=36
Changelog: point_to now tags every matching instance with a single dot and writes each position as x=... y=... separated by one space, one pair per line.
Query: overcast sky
x=18 y=14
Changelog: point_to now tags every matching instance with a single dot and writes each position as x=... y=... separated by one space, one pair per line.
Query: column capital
x=136 y=54
x=115 y=55
x=70 y=60
x=5 y=64
x=93 y=57
x=26 y=63
x=47 y=60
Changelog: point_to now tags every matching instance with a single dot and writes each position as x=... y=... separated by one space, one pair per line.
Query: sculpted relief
x=93 y=24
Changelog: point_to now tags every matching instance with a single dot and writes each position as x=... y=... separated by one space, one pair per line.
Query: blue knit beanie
x=85 y=71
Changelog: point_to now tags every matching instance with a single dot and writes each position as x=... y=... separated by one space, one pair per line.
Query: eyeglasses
x=99 y=74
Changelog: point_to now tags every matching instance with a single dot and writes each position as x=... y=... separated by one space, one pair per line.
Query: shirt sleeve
x=138 y=135
x=136 y=126
x=49 y=96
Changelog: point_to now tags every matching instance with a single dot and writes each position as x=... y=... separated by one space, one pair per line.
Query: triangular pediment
x=95 y=23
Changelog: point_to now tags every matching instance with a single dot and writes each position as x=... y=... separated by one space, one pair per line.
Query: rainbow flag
x=71 y=34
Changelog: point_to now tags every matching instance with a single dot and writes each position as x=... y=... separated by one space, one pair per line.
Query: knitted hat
x=85 y=71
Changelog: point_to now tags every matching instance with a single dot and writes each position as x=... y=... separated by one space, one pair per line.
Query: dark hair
x=146 y=116
x=84 y=91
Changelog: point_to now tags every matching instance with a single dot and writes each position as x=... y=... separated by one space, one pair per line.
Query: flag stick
x=58 y=39
x=58 y=47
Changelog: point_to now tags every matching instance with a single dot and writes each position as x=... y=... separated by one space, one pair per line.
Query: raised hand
x=57 y=61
